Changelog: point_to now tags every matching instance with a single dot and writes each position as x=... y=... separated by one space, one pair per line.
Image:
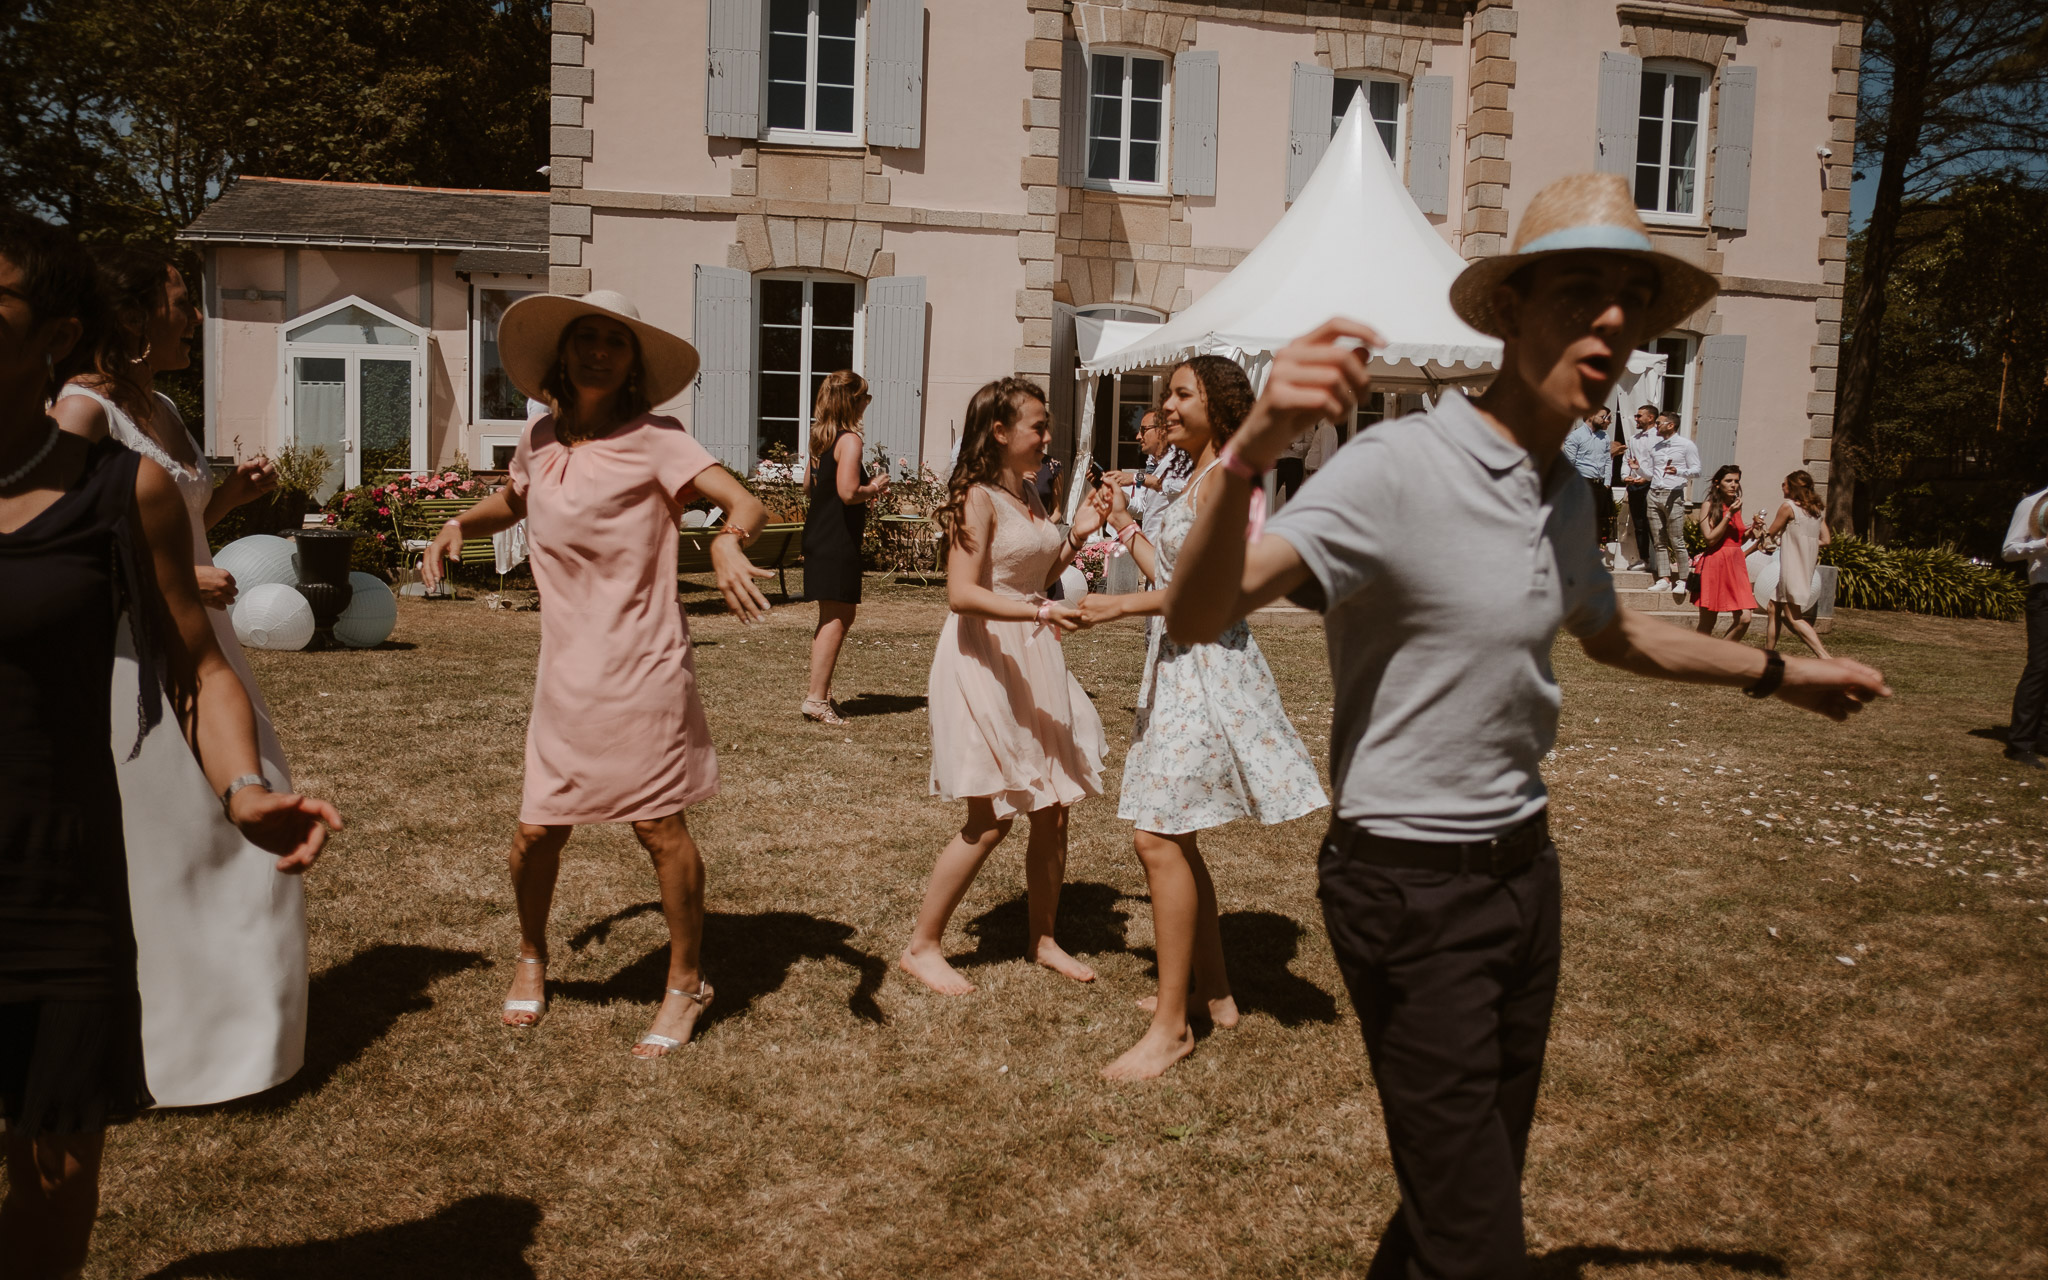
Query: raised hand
x=737 y=576
x=216 y=586
x=250 y=480
x=447 y=543
x=1316 y=378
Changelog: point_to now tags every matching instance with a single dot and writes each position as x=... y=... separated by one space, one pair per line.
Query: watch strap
x=246 y=780
x=1773 y=676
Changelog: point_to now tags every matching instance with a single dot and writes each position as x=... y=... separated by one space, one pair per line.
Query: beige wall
x=973 y=126
x=1785 y=176
x=648 y=111
x=966 y=344
x=1256 y=75
x=652 y=259
x=1557 y=93
x=1775 y=382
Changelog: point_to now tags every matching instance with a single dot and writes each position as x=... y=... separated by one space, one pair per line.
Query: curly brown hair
x=981 y=454
x=1225 y=389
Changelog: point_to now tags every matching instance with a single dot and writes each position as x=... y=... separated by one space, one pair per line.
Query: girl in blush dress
x=1798 y=522
x=1012 y=732
x=1212 y=743
x=618 y=731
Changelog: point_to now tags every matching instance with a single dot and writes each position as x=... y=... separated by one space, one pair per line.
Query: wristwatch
x=246 y=780
x=1773 y=676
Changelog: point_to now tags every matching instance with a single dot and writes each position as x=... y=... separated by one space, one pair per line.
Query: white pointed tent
x=1353 y=244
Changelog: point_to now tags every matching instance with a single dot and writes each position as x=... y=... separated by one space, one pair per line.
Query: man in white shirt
x=1674 y=461
x=1322 y=447
x=1148 y=490
x=2025 y=540
x=1635 y=476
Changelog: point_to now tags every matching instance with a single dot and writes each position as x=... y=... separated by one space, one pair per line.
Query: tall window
x=809 y=328
x=1674 y=396
x=814 y=68
x=1127 y=120
x=1382 y=104
x=1668 y=141
x=497 y=400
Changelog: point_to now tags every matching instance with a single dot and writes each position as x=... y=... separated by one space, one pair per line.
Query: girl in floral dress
x=1212 y=743
x=1012 y=731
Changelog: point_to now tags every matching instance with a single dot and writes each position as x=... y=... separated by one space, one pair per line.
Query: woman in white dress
x=1212 y=743
x=1798 y=522
x=220 y=933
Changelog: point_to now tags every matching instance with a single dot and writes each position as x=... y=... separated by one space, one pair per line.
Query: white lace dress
x=1212 y=742
x=220 y=934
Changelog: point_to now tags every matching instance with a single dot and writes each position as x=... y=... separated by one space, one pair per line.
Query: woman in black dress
x=836 y=517
x=88 y=532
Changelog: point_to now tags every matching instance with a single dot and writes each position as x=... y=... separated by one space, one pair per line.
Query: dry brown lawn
x=1722 y=1099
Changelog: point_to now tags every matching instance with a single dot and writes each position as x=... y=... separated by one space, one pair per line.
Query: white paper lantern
x=1074 y=584
x=258 y=559
x=1764 y=572
x=371 y=615
x=273 y=616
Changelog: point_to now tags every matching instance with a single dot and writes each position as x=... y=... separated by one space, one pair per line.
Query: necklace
x=35 y=460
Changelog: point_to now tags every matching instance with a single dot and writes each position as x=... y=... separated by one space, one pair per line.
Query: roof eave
x=284 y=239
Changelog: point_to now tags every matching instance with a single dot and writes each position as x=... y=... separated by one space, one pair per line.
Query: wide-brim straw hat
x=1576 y=213
x=530 y=335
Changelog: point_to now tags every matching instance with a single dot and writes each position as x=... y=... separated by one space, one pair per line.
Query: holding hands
x=1317 y=378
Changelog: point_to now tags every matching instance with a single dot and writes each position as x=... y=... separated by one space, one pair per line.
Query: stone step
x=1651 y=601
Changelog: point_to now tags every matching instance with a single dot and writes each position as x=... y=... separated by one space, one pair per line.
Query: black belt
x=1500 y=858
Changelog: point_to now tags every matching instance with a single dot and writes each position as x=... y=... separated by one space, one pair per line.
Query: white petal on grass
x=1846 y=960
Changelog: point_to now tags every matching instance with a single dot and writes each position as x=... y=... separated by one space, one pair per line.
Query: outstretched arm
x=500 y=511
x=1834 y=687
x=744 y=519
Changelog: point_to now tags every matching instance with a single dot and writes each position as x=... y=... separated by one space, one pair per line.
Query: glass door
x=354 y=389
x=320 y=415
x=384 y=416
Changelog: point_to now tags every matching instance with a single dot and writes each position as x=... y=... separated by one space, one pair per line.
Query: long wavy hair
x=1801 y=484
x=981 y=454
x=841 y=401
x=57 y=277
x=628 y=402
x=1716 y=505
x=132 y=286
x=1225 y=389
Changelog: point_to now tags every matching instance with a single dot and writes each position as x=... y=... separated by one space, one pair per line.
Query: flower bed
x=387 y=510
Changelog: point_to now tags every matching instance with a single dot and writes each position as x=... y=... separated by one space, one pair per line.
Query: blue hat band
x=1601 y=237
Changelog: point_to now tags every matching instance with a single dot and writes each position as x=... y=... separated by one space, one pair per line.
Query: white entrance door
x=354 y=386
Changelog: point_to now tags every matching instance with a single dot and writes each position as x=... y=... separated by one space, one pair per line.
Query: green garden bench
x=778 y=547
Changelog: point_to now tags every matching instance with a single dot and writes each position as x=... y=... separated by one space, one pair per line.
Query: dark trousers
x=1603 y=510
x=1453 y=977
x=2030 y=699
x=1639 y=516
x=1289 y=473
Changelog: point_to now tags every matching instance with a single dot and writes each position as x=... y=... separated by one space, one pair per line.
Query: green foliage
x=1959 y=419
x=1936 y=580
x=388 y=511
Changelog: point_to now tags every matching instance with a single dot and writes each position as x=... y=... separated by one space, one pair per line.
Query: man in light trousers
x=1674 y=461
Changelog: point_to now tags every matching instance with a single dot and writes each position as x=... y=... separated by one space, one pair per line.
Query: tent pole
x=1084 y=447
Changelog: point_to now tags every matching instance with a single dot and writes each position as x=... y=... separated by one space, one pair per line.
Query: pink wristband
x=1045 y=613
x=1130 y=533
x=1237 y=466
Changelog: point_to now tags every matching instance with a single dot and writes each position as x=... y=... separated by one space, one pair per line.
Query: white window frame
x=1668 y=68
x=1124 y=186
x=1688 y=377
x=806 y=372
x=354 y=353
x=811 y=137
x=487 y=444
x=1400 y=153
x=477 y=285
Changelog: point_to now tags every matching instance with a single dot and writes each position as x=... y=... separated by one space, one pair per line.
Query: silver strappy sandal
x=702 y=995
x=534 y=1007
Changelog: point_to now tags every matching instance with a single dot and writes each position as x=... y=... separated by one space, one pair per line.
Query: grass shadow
x=484 y=1235
x=1090 y=923
x=350 y=1006
x=880 y=704
x=752 y=955
x=1258 y=947
x=1997 y=733
x=1570 y=1263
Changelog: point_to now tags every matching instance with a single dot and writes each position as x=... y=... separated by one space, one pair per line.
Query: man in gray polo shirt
x=1438 y=878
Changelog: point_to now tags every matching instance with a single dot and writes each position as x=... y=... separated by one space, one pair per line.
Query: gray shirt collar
x=1498 y=454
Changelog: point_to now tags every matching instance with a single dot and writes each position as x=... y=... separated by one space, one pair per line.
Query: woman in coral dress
x=618 y=731
x=1212 y=743
x=1724 y=569
x=1012 y=732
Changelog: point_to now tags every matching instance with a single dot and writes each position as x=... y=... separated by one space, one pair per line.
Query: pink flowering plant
x=1093 y=560
x=388 y=508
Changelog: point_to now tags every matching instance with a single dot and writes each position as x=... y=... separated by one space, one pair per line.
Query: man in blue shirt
x=1586 y=448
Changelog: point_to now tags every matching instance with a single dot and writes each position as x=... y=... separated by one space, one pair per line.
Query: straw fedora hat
x=530 y=333
x=1575 y=213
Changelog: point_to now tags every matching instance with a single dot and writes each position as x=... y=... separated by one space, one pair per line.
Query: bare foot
x=930 y=968
x=676 y=1020
x=1050 y=955
x=1222 y=1009
x=528 y=983
x=1151 y=1056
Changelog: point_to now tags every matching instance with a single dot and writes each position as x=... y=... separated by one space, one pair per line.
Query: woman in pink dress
x=1723 y=570
x=618 y=732
x=1012 y=732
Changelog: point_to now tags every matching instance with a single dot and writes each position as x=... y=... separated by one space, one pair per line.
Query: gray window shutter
x=1196 y=85
x=1073 y=114
x=1308 y=124
x=1732 y=137
x=1060 y=383
x=722 y=418
x=1720 y=404
x=895 y=73
x=1429 y=145
x=895 y=367
x=1621 y=97
x=732 y=72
